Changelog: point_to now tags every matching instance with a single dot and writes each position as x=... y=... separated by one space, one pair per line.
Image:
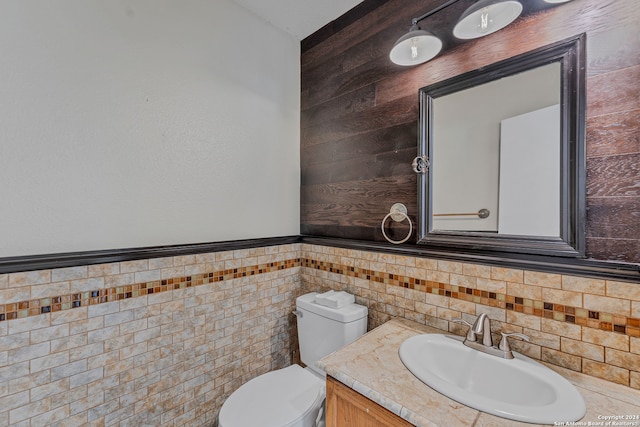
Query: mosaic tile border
x=38 y=306
x=563 y=313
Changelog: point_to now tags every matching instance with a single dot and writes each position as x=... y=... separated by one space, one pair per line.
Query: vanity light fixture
x=486 y=17
x=417 y=46
x=480 y=19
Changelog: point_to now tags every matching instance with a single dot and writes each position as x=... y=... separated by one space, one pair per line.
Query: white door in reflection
x=529 y=202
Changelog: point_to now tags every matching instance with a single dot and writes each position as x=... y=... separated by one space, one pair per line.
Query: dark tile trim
x=576 y=267
x=73 y=259
x=549 y=264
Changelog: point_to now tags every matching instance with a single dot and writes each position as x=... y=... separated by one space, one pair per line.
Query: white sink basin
x=519 y=389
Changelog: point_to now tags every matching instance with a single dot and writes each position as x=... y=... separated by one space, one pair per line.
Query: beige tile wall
x=167 y=358
x=162 y=342
x=587 y=325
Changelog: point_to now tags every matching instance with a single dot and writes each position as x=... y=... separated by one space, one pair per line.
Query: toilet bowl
x=294 y=396
x=288 y=397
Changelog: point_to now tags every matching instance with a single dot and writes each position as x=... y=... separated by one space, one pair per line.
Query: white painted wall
x=130 y=123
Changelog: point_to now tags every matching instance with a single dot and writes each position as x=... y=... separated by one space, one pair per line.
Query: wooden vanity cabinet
x=348 y=408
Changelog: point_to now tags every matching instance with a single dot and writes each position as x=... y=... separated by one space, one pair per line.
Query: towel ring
x=398 y=213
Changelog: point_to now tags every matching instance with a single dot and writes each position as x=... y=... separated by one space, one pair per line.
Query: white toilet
x=293 y=396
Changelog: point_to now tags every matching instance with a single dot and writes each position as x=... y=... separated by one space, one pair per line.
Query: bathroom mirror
x=504 y=146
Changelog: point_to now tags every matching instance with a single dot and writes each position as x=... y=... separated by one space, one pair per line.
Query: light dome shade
x=415 y=47
x=486 y=17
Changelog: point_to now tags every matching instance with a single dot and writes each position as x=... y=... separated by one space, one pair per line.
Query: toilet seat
x=279 y=398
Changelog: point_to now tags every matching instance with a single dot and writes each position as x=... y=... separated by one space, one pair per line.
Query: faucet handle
x=504 y=342
x=459 y=320
x=471 y=336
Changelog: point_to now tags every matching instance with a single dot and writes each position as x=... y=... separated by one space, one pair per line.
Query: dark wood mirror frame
x=570 y=54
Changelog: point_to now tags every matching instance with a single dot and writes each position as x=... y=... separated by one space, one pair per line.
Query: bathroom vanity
x=345 y=407
x=368 y=385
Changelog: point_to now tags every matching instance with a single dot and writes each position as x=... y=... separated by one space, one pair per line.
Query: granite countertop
x=371 y=366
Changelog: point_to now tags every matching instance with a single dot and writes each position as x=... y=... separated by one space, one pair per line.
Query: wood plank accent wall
x=359 y=115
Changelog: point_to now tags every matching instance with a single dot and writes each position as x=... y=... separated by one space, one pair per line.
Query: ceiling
x=299 y=18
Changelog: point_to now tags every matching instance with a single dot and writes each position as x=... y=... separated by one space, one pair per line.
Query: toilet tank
x=323 y=330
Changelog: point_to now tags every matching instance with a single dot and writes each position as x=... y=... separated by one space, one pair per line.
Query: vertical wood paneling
x=359 y=115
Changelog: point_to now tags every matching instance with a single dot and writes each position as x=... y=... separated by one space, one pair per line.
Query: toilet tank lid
x=348 y=313
x=335 y=299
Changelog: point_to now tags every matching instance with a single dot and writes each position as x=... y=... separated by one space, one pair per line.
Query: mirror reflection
x=496 y=156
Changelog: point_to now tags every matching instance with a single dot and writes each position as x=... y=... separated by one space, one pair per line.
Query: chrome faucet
x=479 y=337
x=482 y=328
